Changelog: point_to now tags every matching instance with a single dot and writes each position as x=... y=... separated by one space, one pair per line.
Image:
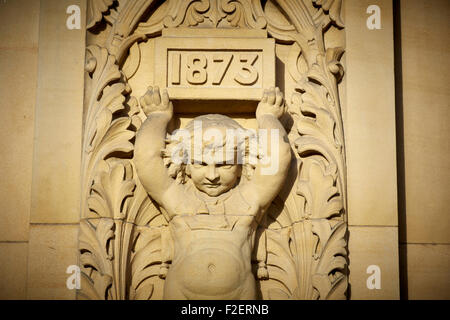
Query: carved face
x=214 y=170
x=214 y=179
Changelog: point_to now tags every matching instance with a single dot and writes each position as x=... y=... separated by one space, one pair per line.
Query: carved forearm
x=150 y=140
x=269 y=123
x=271 y=170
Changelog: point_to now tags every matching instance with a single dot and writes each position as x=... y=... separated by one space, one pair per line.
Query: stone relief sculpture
x=152 y=229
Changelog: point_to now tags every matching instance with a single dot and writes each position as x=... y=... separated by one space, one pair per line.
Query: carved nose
x=211 y=173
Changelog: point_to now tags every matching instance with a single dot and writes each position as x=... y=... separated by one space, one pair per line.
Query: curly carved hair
x=241 y=147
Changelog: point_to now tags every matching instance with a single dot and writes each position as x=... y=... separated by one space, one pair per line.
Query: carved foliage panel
x=123 y=229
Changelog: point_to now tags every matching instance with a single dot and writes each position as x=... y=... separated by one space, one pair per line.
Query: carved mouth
x=211 y=185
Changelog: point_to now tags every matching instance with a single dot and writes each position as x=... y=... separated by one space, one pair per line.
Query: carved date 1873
x=211 y=68
x=205 y=68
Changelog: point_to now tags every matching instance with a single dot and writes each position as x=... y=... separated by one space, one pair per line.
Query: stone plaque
x=215 y=68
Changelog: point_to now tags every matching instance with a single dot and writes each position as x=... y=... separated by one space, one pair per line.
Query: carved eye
x=225 y=166
x=198 y=165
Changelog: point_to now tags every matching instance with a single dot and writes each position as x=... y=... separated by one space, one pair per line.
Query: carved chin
x=213 y=191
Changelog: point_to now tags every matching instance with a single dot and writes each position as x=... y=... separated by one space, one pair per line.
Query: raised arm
x=150 y=140
x=271 y=171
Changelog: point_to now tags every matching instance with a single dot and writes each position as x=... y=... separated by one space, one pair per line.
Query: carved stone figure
x=212 y=216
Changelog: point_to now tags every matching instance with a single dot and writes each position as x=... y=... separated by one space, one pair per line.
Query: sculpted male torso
x=214 y=212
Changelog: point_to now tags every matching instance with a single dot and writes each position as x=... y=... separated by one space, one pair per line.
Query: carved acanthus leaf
x=145 y=264
x=330 y=278
x=287 y=202
x=238 y=13
x=317 y=186
x=330 y=9
x=281 y=266
x=107 y=246
x=108 y=185
x=95 y=11
x=96 y=255
x=244 y=13
x=142 y=211
x=105 y=133
x=307 y=261
x=110 y=190
x=289 y=262
x=301 y=27
x=197 y=11
x=333 y=57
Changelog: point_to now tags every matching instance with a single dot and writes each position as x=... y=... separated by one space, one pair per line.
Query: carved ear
x=240 y=170
x=188 y=170
x=247 y=171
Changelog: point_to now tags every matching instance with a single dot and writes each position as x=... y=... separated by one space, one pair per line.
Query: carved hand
x=272 y=103
x=154 y=102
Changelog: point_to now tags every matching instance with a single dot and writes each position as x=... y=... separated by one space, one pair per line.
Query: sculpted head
x=215 y=162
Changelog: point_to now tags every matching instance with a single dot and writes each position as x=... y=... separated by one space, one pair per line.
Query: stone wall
x=42 y=72
x=19 y=34
x=371 y=156
x=423 y=115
